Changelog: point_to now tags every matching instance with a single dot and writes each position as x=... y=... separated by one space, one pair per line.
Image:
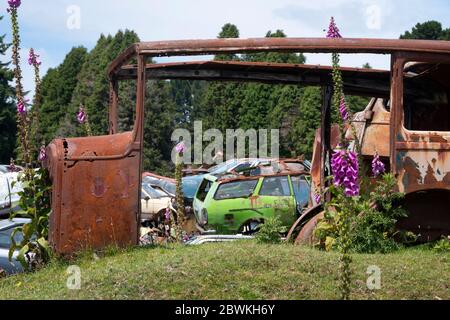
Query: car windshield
x=237 y=189
x=223 y=167
x=154 y=193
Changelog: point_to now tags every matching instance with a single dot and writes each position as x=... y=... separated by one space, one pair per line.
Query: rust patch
x=412 y=173
x=429 y=177
x=437 y=138
x=99 y=188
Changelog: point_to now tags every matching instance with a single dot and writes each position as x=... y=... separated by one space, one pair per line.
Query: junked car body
x=109 y=167
x=9 y=197
x=154 y=202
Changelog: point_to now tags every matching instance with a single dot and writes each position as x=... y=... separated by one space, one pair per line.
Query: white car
x=9 y=196
x=154 y=202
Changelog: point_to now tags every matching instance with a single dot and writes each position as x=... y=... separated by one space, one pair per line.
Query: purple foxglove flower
x=377 y=166
x=167 y=214
x=42 y=154
x=333 y=30
x=21 y=106
x=33 y=58
x=81 y=115
x=317 y=198
x=14 y=4
x=180 y=147
x=343 y=109
x=345 y=167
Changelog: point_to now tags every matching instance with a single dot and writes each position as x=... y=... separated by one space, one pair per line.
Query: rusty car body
x=96 y=180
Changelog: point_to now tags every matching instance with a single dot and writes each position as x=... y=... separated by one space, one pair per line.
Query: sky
x=53 y=27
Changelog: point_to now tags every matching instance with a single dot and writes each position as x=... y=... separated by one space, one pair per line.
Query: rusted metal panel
x=96 y=186
x=95 y=203
x=319 y=45
x=376 y=135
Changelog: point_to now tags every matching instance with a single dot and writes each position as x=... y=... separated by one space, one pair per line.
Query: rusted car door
x=96 y=186
x=420 y=140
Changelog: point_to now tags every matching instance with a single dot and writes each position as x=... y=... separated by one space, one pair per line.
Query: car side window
x=203 y=189
x=275 y=186
x=236 y=189
x=301 y=190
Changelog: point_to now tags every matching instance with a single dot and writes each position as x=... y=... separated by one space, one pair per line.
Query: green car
x=239 y=205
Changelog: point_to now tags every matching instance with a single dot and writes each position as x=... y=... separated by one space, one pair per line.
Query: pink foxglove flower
x=42 y=154
x=317 y=198
x=333 y=30
x=13 y=4
x=180 y=147
x=377 y=166
x=167 y=214
x=343 y=109
x=81 y=115
x=345 y=167
x=33 y=58
x=21 y=106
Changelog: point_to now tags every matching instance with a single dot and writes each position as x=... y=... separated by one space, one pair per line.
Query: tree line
x=81 y=79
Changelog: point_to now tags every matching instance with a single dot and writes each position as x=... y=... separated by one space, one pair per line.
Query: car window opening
x=426 y=99
x=237 y=189
x=275 y=186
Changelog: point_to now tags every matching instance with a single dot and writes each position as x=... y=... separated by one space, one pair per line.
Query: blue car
x=6 y=229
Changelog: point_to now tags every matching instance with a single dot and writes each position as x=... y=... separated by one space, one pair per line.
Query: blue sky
x=44 y=23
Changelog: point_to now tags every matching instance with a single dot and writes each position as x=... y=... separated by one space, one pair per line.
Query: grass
x=239 y=270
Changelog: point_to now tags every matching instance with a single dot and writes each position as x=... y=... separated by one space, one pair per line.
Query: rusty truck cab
x=96 y=180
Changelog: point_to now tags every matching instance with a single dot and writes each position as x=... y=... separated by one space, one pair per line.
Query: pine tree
x=57 y=88
x=220 y=105
x=92 y=89
x=7 y=109
x=429 y=30
x=159 y=123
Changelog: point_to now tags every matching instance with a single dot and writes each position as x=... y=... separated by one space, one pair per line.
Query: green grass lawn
x=239 y=270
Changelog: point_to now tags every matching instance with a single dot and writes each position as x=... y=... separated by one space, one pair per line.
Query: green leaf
x=21 y=257
x=329 y=242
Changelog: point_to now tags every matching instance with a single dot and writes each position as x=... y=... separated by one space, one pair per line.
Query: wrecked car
x=154 y=202
x=9 y=188
x=239 y=204
x=413 y=133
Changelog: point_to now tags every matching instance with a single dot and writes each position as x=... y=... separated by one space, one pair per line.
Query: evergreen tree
x=57 y=88
x=220 y=104
x=7 y=109
x=272 y=106
x=92 y=89
x=159 y=118
x=430 y=30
